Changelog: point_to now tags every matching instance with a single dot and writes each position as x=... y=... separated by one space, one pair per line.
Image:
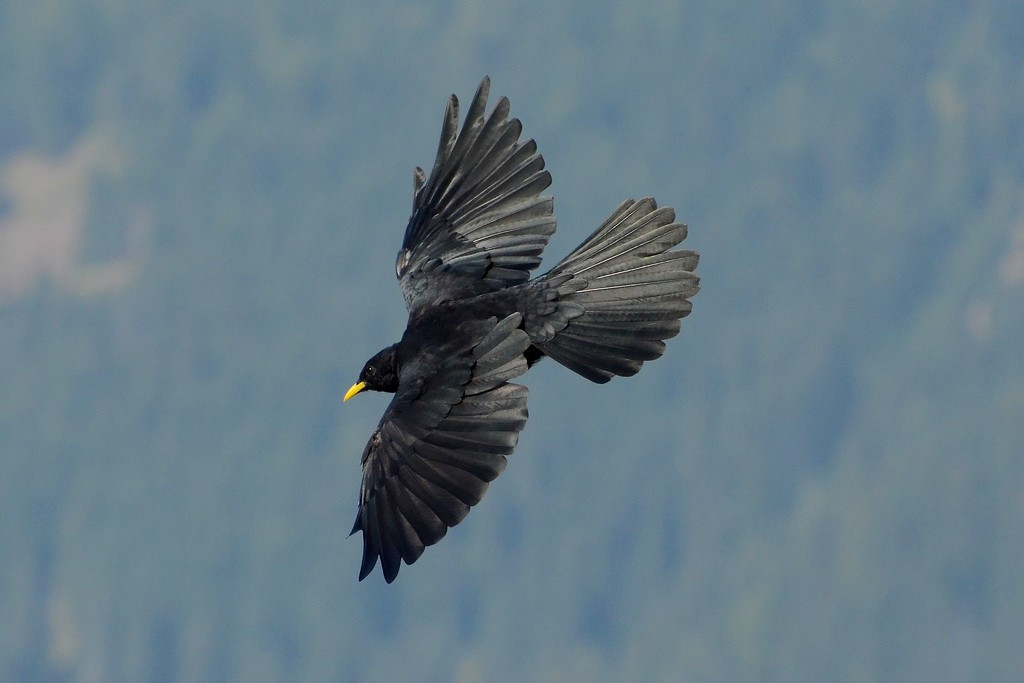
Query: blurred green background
x=823 y=478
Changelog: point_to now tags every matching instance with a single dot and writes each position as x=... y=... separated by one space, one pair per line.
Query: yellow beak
x=356 y=388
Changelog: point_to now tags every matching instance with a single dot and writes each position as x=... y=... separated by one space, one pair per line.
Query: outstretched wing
x=441 y=441
x=479 y=222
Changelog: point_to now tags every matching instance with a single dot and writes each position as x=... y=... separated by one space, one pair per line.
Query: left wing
x=441 y=441
x=479 y=222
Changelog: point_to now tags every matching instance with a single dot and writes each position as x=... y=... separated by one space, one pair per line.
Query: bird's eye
x=371 y=371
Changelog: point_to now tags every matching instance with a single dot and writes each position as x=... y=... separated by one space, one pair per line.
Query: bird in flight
x=477 y=320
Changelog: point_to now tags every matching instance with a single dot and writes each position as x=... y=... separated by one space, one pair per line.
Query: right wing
x=442 y=439
x=478 y=222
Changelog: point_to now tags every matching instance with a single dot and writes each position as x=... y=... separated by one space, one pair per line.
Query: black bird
x=477 y=320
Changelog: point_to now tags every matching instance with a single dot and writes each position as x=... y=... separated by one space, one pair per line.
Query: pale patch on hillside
x=41 y=232
x=980 y=316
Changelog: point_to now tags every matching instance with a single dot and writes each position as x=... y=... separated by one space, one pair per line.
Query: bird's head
x=379 y=374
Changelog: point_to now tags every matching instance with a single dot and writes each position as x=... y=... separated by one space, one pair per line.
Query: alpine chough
x=476 y=320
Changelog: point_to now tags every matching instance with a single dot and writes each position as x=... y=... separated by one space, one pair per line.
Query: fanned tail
x=614 y=300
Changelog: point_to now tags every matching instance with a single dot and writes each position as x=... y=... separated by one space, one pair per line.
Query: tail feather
x=665 y=310
x=595 y=367
x=657 y=329
x=619 y=295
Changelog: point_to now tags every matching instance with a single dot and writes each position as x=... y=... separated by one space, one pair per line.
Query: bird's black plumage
x=477 y=321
